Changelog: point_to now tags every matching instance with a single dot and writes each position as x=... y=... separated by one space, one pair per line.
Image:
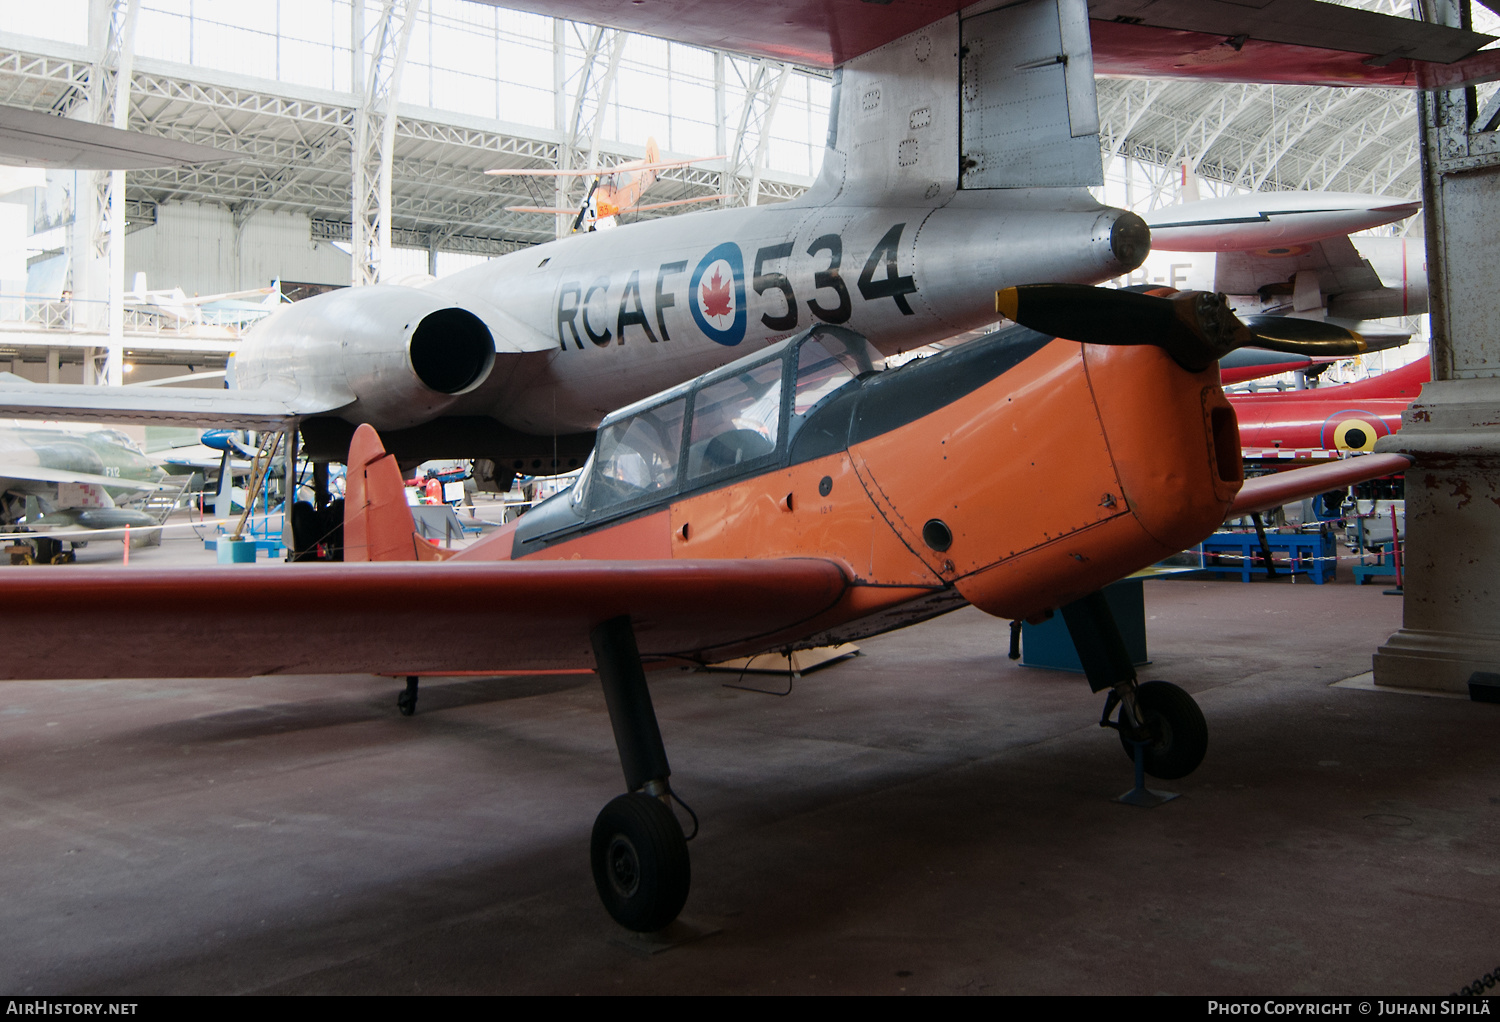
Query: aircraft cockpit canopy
x=734 y=421
x=115 y=436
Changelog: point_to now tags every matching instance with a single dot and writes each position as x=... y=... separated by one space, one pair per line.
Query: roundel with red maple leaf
x=718 y=295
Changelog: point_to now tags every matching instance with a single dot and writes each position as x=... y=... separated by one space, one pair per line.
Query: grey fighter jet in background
x=962 y=141
x=59 y=481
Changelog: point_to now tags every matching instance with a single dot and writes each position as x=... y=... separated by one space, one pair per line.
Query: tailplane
x=378 y=525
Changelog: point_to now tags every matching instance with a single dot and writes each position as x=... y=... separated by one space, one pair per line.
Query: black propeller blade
x=1197 y=328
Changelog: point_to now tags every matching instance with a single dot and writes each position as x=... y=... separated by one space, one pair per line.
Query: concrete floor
x=927 y=818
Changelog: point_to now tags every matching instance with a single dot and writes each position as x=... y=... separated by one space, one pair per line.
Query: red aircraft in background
x=794 y=498
x=1325 y=421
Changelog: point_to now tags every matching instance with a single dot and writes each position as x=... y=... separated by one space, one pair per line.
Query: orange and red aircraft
x=794 y=498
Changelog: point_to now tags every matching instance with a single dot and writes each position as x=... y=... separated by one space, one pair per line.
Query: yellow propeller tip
x=1007 y=302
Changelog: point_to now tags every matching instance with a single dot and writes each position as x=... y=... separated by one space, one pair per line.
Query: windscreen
x=636 y=457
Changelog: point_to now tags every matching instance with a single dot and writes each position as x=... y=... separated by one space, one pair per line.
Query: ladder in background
x=160 y=504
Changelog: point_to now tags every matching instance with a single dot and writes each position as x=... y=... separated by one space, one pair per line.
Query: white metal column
x=747 y=158
x=1451 y=604
x=382 y=49
x=112 y=34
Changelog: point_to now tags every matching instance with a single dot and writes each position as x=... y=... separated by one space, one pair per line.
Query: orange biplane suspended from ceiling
x=614 y=190
x=796 y=497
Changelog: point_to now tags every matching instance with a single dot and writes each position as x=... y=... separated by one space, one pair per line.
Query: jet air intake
x=392 y=356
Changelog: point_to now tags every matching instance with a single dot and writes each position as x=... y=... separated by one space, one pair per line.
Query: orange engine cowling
x=1079 y=466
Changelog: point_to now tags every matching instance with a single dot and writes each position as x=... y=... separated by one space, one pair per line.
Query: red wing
x=1297 y=41
x=1265 y=492
x=824 y=34
x=1143 y=51
x=402 y=618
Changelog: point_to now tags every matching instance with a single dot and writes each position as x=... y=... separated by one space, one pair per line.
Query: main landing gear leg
x=638 y=852
x=406 y=701
x=1158 y=722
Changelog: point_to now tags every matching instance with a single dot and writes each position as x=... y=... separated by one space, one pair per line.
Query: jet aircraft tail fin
x=1001 y=99
x=378 y=524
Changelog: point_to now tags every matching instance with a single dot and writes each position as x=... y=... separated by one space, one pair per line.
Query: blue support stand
x=1142 y=796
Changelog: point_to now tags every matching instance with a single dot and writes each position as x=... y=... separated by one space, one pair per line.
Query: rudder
x=378 y=525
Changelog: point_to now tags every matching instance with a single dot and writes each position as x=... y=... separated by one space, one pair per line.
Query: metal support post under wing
x=1028 y=115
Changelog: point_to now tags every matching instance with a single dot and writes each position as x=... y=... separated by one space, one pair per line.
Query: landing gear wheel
x=640 y=862
x=1179 y=734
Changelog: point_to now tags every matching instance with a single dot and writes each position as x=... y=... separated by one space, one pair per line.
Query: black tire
x=306 y=530
x=1179 y=734
x=406 y=702
x=640 y=862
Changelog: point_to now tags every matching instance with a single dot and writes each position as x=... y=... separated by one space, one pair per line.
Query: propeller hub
x=1197 y=328
x=1213 y=321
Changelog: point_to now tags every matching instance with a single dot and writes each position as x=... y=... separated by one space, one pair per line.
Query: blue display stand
x=1385 y=567
x=1312 y=552
x=1049 y=644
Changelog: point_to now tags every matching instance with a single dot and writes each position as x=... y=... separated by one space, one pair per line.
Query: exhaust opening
x=1226 y=430
x=1130 y=241
x=451 y=351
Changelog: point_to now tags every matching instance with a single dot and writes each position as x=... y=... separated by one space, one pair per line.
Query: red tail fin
x=378 y=525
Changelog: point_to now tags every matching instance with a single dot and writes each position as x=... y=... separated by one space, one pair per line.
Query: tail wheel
x=640 y=862
x=1178 y=733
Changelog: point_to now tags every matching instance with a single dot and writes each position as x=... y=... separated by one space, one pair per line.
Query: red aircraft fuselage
x=1341 y=417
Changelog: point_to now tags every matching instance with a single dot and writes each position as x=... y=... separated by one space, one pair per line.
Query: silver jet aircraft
x=1292 y=252
x=961 y=144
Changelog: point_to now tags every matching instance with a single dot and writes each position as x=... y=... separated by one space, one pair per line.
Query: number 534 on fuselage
x=550 y=339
